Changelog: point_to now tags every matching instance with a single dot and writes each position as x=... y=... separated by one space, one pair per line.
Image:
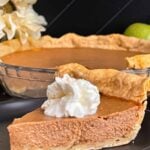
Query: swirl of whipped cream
x=72 y=97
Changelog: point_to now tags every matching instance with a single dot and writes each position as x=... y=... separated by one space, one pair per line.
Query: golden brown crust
x=71 y=40
x=111 y=82
x=139 y=61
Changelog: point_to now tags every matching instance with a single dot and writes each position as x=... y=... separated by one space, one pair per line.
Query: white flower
x=2 y=26
x=22 y=23
x=29 y=23
x=23 y=3
x=10 y=27
x=3 y=2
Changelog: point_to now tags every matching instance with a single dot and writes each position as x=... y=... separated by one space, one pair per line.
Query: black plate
x=13 y=107
x=142 y=141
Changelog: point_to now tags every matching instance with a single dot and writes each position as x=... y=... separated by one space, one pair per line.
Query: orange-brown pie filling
x=51 y=57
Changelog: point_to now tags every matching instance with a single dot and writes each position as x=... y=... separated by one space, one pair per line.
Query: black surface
x=142 y=141
x=90 y=17
x=4 y=138
x=12 y=107
x=15 y=107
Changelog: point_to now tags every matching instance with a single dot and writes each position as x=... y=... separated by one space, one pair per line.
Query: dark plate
x=142 y=141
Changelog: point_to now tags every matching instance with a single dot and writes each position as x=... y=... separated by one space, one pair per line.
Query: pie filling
x=52 y=57
x=109 y=105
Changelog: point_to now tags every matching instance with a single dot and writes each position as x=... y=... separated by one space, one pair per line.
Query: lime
x=139 y=30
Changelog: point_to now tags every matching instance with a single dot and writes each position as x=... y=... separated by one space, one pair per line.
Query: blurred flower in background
x=3 y=2
x=23 y=3
x=19 y=20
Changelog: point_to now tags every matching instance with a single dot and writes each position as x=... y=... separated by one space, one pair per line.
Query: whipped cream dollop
x=72 y=97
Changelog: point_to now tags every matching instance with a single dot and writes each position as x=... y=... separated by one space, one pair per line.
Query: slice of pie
x=116 y=122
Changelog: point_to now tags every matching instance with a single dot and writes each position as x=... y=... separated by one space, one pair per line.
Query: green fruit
x=139 y=30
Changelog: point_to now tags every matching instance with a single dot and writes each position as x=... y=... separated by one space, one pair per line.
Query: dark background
x=87 y=17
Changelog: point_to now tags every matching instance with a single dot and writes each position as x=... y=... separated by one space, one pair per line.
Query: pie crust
x=110 y=82
x=71 y=40
x=139 y=61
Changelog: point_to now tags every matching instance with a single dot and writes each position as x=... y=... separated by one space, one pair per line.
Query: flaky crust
x=139 y=61
x=71 y=40
x=110 y=82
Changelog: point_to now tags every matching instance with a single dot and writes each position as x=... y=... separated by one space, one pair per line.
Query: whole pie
x=95 y=51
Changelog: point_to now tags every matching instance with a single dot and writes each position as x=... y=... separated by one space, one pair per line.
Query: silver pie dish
x=25 y=82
